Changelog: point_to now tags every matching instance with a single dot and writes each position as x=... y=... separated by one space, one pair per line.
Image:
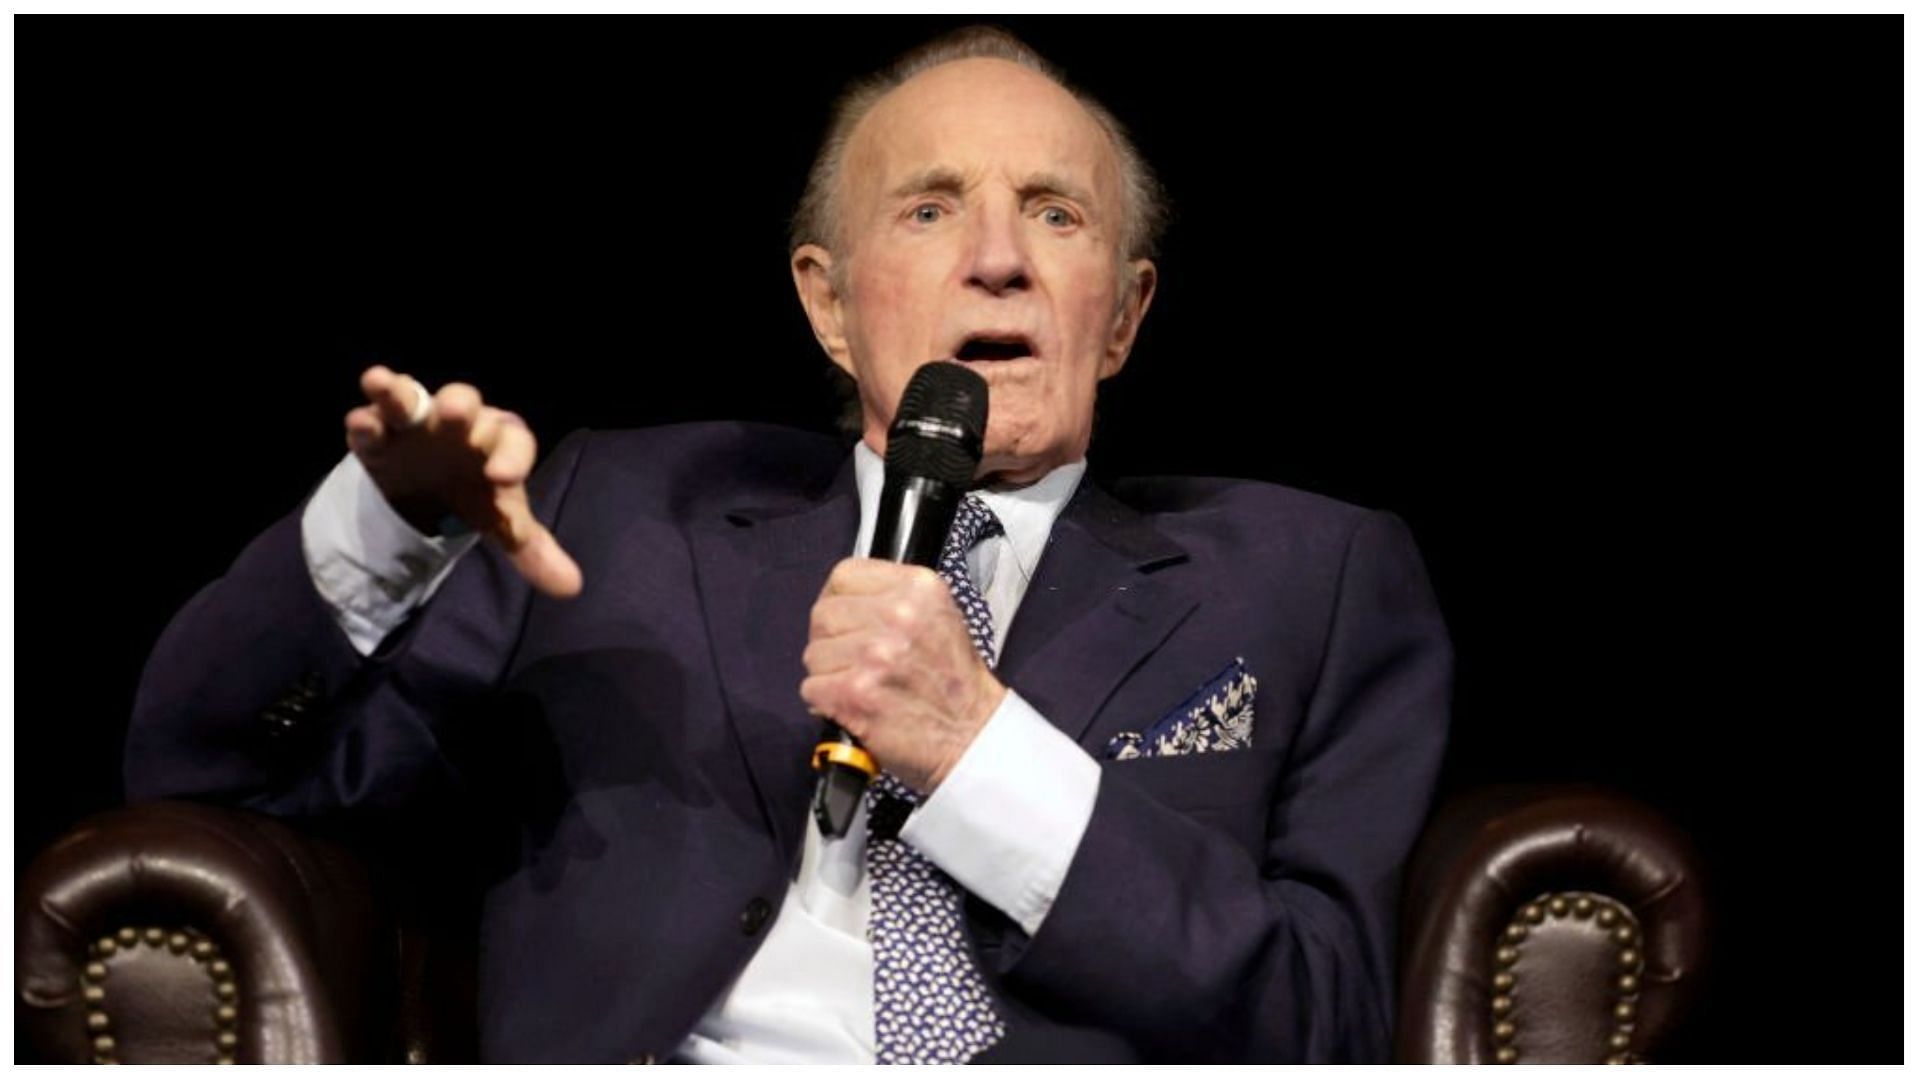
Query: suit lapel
x=760 y=572
x=1108 y=591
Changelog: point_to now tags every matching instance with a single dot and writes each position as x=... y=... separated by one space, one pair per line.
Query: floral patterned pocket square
x=1217 y=717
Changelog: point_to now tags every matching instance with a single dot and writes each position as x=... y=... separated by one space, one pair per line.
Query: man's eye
x=926 y=213
x=1058 y=217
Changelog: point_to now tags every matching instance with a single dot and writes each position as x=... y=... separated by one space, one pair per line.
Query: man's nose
x=998 y=261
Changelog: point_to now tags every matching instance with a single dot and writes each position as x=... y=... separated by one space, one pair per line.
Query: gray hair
x=816 y=219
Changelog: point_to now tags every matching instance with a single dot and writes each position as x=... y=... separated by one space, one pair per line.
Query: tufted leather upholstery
x=1540 y=925
x=1547 y=925
x=134 y=930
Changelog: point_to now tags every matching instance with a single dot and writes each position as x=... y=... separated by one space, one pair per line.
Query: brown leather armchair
x=1539 y=925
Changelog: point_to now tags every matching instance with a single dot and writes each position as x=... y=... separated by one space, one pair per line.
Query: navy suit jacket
x=1225 y=906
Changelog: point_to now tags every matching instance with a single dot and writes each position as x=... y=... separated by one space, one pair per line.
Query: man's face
x=980 y=219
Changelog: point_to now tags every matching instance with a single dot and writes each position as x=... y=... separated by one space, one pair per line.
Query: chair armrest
x=1549 y=924
x=175 y=932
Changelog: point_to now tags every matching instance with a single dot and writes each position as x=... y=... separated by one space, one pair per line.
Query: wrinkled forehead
x=990 y=121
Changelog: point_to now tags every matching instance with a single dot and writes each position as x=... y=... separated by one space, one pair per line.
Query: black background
x=1606 y=309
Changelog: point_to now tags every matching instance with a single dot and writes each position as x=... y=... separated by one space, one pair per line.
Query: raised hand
x=452 y=454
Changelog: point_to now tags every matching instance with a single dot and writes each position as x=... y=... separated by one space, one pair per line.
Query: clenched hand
x=889 y=659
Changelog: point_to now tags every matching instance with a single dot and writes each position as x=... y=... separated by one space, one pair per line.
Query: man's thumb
x=545 y=564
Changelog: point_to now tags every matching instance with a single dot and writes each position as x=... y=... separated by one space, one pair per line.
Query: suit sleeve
x=1174 y=936
x=254 y=694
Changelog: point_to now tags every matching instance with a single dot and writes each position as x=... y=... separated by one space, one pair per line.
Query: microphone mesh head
x=937 y=430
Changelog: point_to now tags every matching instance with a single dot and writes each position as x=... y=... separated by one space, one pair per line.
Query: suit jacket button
x=287 y=714
x=755 y=916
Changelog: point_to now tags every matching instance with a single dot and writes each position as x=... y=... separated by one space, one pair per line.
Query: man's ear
x=1135 y=298
x=813 y=279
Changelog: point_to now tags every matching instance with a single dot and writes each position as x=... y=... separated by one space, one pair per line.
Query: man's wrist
x=993 y=695
x=370 y=566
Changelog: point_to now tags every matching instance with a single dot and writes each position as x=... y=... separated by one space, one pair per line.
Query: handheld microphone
x=933 y=449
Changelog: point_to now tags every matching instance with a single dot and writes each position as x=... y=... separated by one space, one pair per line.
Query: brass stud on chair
x=226 y=1010
x=1503 y=1030
x=1503 y=981
x=1628 y=986
x=1506 y=955
x=90 y=990
x=1558 y=906
x=1516 y=932
x=155 y=936
x=1607 y=916
x=128 y=936
x=97 y=1021
x=105 y=947
x=1583 y=907
x=177 y=942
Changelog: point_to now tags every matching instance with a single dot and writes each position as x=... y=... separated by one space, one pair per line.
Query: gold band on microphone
x=845 y=754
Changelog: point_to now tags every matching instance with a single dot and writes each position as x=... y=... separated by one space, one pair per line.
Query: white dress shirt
x=1004 y=824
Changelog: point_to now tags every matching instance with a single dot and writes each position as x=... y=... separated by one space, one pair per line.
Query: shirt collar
x=1027 y=514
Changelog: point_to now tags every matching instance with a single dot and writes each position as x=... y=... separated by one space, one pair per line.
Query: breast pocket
x=1227 y=791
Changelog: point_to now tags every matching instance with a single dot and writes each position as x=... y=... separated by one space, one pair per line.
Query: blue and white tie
x=930 y=1003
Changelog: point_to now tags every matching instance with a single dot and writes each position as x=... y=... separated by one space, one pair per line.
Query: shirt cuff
x=1008 y=819
x=370 y=567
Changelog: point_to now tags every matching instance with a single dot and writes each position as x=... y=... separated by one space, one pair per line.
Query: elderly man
x=1155 y=755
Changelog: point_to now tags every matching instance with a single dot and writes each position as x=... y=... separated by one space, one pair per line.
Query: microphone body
x=915 y=516
x=933 y=447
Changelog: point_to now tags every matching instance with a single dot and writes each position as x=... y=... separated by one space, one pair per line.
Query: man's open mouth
x=994 y=347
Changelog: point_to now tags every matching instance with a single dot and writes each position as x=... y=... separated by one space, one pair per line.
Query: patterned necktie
x=930 y=1003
